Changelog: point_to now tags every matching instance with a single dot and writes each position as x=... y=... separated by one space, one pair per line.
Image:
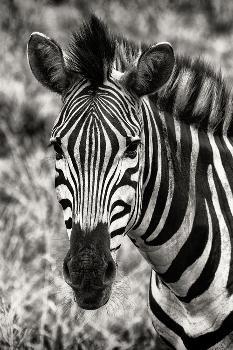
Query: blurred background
x=35 y=309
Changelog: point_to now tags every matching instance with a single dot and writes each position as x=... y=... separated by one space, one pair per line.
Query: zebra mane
x=93 y=50
x=196 y=94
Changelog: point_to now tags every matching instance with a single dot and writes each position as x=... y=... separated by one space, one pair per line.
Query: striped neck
x=184 y=229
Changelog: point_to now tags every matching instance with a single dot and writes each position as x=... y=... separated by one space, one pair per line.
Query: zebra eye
x=58 y=150
x=131 y=150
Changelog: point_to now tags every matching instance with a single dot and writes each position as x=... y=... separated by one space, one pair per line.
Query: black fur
x=91 y=51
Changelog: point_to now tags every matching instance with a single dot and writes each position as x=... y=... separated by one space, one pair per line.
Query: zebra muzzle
x=88 y=267
x=90 y=277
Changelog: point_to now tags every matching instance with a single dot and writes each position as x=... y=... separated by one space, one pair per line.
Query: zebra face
x=98 y=142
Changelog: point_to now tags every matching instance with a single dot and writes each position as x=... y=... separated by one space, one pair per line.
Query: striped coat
x=143 y=147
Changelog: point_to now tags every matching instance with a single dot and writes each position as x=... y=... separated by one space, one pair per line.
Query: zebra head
x=98 y=140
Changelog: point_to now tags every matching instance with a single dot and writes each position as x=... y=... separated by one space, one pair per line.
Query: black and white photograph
x=116 y=175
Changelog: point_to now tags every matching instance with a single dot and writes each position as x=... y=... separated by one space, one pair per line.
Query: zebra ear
x=46 y=61
x=153 y=70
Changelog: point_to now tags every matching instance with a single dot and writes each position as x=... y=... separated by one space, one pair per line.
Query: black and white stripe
x=185 y=229
x=94 y=158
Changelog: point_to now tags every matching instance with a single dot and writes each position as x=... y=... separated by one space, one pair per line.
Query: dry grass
x=36 y=306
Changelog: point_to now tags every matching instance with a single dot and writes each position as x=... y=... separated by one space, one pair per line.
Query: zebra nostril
x=110 y=271
x=66 y=273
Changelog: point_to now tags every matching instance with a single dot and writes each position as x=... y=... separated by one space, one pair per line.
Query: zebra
x=144 y=148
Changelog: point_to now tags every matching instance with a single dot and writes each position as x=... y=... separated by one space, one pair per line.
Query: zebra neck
x=157 y=174
x=185 y=228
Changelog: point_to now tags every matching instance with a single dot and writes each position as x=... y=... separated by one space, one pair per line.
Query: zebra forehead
x=108 y=110
x=89 y=131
